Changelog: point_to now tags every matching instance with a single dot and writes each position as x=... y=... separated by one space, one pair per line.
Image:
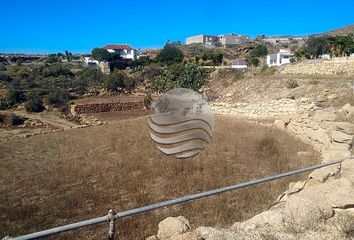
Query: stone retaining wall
x=318 y=127
x=338 y=66
x=269 y=109
x=105 y=107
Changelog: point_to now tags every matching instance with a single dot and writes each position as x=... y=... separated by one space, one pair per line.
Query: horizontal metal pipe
x=170 y=202
x=63 y=228
x=220 y=190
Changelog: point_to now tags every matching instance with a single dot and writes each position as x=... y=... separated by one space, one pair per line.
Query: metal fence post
x=112 y=225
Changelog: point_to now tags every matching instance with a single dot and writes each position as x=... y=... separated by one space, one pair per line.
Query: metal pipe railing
x=175 y=201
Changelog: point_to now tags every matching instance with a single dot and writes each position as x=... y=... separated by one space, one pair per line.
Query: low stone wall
x=105 y=107
x=269 y=109
x=339 y=66
x=318 y=127
x=332 y=137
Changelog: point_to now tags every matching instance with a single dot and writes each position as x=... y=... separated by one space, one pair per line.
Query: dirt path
x=47 y=118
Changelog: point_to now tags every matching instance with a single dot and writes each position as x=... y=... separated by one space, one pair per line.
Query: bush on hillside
x=34 y=102
x=291 y=83
x=192 y=76
x=115 y=81
x=57 y=98
x=170 y=54
x=16 y=120
x=14 y=96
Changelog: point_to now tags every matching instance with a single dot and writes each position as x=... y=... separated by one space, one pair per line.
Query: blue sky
x=49 y=26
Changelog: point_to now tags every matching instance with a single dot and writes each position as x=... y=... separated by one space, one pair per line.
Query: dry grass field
x=59 y=178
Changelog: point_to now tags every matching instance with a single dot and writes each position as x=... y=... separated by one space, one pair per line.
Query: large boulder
x=348 y=110
x=345 y=127
x=322 y=115
x=341 y=137
x=172 y=227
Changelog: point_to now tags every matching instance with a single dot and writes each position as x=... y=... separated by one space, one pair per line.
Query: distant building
x=207 y=40
x=261 y=36
x=89 y=61
x=280 y=58
x=325 y=56
x=225 y=40
x=238 y=63
x=123 y=50
x=280 y=39
x=229 y=40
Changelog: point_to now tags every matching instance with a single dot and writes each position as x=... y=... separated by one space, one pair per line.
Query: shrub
x=129 y=83
x=56 y=70
x=91 y=75
x=170 y=54
x=192 y=76
x=151 y=71
x=3 y=104
x=147 y=101
x=164 y=81
x=13 y=96
x=34 y=102
x=268 y=70
x=58 y=98
x=4 y=77
x=115 y=81
x=214 y=56
x=259 y=51
x=291 y=83
x=16 y=120
x=52 y=58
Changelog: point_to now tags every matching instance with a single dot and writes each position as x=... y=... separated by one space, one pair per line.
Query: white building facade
x=239 y=64
x=123 y=50
x=280 y=58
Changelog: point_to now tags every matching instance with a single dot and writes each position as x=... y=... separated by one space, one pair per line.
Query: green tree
x=101 y=54
x=317 y=46
x=192 y=76
x=170 y=54
x=259 y=51
x=342 y=45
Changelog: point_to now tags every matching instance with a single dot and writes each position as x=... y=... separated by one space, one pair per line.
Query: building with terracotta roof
x=124 y=50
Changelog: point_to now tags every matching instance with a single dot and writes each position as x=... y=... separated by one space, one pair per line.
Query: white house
x=124 y=50
x=89 y=61
x=238 y=63
x=280 y=58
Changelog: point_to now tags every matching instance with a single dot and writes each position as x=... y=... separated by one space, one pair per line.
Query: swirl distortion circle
x=181 y=123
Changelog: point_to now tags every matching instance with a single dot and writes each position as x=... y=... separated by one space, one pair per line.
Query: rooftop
x=118 y=47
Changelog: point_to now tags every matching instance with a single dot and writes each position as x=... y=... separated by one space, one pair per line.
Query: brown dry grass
x=54 y=179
